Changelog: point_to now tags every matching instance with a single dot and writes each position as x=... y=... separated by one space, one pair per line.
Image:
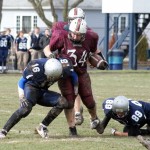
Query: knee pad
x=62 y=102
x=24 y=111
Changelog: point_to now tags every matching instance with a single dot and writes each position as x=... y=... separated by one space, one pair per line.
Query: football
x=97 y=61
x=94 y=59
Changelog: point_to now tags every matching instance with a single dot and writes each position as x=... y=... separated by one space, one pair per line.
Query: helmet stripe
x=75 y=11
x=78 y=25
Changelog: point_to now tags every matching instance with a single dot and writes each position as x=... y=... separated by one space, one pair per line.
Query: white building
x=20 y=15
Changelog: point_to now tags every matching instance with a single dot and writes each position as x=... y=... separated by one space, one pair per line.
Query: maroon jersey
x=78 y=54
x=59 y=26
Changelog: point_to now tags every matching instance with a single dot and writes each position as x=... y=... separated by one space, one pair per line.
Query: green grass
x=133 y=84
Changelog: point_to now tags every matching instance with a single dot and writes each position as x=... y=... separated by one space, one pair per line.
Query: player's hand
x=23 y=102
x=113 y=131
x=52 y=56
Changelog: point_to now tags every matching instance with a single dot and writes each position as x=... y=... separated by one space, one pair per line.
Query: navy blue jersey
x=138 y=115
x=34 y=73
x=21 y=44
x=5 y=42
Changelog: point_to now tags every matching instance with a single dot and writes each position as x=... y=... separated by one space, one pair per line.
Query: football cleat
x=95 y=123
x=78 y=118
x=144 y=142
x=3 y=134
x=42 y=131
x=73 y=132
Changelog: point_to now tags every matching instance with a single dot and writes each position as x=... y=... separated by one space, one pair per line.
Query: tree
x=142 y=48
x=38 y=6
x=1 y=5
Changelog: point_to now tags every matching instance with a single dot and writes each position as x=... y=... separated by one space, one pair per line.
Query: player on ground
x=133 y=114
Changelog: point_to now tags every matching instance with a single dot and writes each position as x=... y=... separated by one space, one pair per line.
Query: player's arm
x=105 y=121
x=21 y=84
x=56 y=43
x=118 y=133
x=47 y=52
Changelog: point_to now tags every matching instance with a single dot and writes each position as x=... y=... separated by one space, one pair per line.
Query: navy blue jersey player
x=133 y=114
x=33 y=86
x=5 y=44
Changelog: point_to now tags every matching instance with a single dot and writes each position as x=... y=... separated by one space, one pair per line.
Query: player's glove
x=23 y=102
x=52 y=56
x=113 y=131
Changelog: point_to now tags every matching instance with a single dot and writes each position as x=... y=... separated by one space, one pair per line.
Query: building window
x=123 y=24
x=35 y=21
x=115 y=29
x=120 y=23
x=26 y=24
x=18 y=24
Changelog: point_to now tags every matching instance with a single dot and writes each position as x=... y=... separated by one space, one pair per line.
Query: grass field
x=133 y=84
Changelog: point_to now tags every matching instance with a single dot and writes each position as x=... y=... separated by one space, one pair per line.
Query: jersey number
x=35 y=68
x=108 y=104
x=137 y=115
x=82 y=59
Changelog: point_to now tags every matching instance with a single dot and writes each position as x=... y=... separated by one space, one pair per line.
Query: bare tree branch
x=1 y=5
x=37 y=4
x=53 y=10
x=65 y=11
x=75 y=4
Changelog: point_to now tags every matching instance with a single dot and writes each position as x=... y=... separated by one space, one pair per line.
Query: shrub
x=142 y=49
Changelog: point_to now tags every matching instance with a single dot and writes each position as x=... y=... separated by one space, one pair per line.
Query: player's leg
x=5 y=60
x=85 y=92
x=58 y=103
x=22 y=112
x=31 y=95
x=78 y=111
x=145 y=142
x=67 y=91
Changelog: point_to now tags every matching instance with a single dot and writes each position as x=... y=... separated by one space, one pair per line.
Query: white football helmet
x=76 y=13
x=53 y=69
x=78 y=25
x=121 y=105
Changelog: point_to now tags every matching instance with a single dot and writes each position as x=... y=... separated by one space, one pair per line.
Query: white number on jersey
x=137 y=115
x=35 y=68
x=108 y=104
x=137 y=103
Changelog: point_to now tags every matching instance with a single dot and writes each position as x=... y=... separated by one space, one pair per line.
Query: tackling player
x=133 y=114
x=38 y=76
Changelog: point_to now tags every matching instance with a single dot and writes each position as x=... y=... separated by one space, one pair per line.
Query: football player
x=38 y=76
x=133 y=114
x=5 y=44
x=76 y=45
x=73 y=14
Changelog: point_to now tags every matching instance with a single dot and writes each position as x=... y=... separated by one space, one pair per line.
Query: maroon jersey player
x=76 y=45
